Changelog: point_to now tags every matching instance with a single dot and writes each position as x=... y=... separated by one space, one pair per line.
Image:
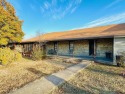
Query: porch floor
x=97 y=59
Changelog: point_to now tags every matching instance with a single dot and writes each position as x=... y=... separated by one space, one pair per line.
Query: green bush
x=7 y=56
x=38 y=53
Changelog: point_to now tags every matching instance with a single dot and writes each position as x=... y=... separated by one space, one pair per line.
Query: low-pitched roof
x=96 y=32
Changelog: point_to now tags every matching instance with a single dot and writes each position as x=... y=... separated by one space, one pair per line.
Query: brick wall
x=103 y=46
x=81 y=48
x=63 y=48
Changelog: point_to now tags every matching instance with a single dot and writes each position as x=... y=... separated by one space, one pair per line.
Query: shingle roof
x=96 y=32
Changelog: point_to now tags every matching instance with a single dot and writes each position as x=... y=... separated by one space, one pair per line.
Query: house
x=99 y=43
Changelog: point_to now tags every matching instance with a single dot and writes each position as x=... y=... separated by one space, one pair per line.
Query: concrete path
x=46 y=84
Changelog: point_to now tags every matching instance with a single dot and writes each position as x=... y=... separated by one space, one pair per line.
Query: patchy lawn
x=95 y=79
x=18 y=74
x=62 y=60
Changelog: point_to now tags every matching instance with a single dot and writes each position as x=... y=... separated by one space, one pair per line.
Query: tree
x=39 y=51
x=10 y=25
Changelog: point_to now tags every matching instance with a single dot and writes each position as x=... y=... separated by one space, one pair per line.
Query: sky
x=47 y=16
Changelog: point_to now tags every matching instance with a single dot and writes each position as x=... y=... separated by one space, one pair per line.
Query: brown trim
x=71 y=39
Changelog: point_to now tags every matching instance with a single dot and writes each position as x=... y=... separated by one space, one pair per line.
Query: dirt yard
x=95 y=79
x=63 y=61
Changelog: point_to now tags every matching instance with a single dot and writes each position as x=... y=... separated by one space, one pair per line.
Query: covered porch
x=99 y=49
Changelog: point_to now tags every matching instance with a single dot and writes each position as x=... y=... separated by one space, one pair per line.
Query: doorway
x=91 y=47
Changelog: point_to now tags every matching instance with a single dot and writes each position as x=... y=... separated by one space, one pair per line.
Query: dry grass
x=95 y=79
x=18 y=74
x=63 y=60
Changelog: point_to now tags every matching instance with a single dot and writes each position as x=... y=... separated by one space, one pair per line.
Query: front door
x=91 y=47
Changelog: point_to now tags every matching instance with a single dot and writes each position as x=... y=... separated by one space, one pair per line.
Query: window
x=55 y=47
x=71 y=47
x=30 y=47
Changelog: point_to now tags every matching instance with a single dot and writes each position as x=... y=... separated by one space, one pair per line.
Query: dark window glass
x=55 y=47
x=71 y=47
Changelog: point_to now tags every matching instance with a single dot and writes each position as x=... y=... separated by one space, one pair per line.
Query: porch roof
x=89 y=33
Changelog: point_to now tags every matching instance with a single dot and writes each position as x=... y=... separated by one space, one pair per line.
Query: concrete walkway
x=46 y=84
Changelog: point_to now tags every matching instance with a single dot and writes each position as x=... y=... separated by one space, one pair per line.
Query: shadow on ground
x=102 y=71
x=64 y=87
x=36 y=72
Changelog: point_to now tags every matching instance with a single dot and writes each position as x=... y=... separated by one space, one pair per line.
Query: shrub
x=38 y=53
x=7 y=56
x=18 y=56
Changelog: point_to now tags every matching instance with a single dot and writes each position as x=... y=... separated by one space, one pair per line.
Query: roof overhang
x=69 y=39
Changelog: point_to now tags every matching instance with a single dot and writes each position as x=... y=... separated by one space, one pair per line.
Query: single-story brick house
x=103 y=43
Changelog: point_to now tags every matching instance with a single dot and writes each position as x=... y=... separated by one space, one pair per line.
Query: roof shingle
x=102 y=31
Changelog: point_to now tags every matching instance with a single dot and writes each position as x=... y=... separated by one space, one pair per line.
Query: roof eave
x=66 y=39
